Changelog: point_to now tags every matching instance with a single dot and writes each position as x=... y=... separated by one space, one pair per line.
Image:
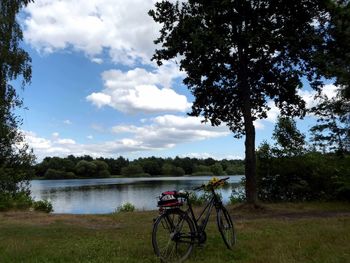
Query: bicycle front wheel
x=226 y=228
x=173 y=236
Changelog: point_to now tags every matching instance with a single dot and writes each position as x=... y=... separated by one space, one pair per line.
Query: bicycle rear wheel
x=226 y=227
x=173 y=236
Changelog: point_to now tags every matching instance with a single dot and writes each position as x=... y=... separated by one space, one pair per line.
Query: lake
x=101 y=196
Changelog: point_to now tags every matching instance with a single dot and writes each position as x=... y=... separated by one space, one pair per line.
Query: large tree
x=15 y=156
x=238 y=54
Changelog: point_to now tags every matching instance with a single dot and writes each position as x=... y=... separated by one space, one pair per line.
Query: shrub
x=104 y=174
x=172 y=170
x=132 y=170
x=312 y=176
x=20 y=200
x=86 y=169
x=202 y=174
x=126 y=207
x=70 y=175
x=201 y=199
x=43 y=206
x=53 y=174
x=195 y=199
x=235 y=169
x=237 y=196
x=57 y=174
x=217 y=169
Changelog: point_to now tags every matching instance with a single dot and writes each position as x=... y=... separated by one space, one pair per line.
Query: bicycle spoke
x=172 y=238
x=226 y=227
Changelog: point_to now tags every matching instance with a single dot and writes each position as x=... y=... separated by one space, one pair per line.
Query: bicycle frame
x=200 y=228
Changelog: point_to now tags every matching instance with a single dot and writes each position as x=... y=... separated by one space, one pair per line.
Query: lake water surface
x=100 y=196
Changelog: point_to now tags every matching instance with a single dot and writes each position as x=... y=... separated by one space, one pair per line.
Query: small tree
x=289 y=140
x=332 y=131
x=86 y=169
x=101 y=169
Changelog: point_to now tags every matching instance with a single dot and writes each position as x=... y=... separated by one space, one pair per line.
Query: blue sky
x=95 y=91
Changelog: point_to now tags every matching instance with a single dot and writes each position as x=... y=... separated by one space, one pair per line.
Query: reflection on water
x=99 y=196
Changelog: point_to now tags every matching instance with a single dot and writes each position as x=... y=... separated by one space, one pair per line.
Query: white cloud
x=308 y=96
x=55 y=135
x=138 y=90
x=169 y=130
x=164 y=132
x=122 y=27
x=97 y=60
x=90 y=137
x=65 y=141
x=99 y=99
x=214 y=156
x=37 y=142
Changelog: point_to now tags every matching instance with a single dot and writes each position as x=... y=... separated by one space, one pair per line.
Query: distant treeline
x=72 y=167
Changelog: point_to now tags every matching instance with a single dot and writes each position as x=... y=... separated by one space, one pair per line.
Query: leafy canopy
x=244 y=50
x=15 y=156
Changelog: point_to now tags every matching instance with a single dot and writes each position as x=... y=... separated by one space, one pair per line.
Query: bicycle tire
x=226 y=227
x=173 y=236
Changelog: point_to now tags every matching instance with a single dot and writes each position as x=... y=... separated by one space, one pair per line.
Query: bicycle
x=175 y=231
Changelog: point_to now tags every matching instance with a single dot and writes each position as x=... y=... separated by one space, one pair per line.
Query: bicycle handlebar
x=215 y=184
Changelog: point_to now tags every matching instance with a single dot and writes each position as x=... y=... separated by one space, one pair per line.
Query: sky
x=95 y=90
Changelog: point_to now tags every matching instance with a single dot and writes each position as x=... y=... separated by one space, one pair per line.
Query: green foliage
x=172 y=170
x=132 y=170
x=43 y=206
x=217 y=169
x=235 y=169
x=289 y=173
x=202 y=169
x=57 y=174
x=202 y=198
x=17 y=201
x=92 y=169
x=115 y=165
x=289 y=140
x=23 y=201
x=151 y=165
x=15 y=156
x=127 y=207
x=238 y=193
x=197 y=200
x=312 y=176
x=87 y=167
x=237 y=55
x=332 y=131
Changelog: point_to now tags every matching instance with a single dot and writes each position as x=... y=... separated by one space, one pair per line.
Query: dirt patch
x=292 y=216
x=42 y=219
x=116 y=222
x=250 y=213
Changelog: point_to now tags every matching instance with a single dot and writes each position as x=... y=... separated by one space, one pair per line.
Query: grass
x=277 y=234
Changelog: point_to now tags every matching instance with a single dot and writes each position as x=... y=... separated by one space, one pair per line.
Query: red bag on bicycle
x=169 y=199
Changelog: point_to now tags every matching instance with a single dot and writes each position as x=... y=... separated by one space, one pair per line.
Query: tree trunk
x=250 y=157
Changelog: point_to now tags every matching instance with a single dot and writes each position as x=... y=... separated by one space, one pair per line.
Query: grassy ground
x=283 y=233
